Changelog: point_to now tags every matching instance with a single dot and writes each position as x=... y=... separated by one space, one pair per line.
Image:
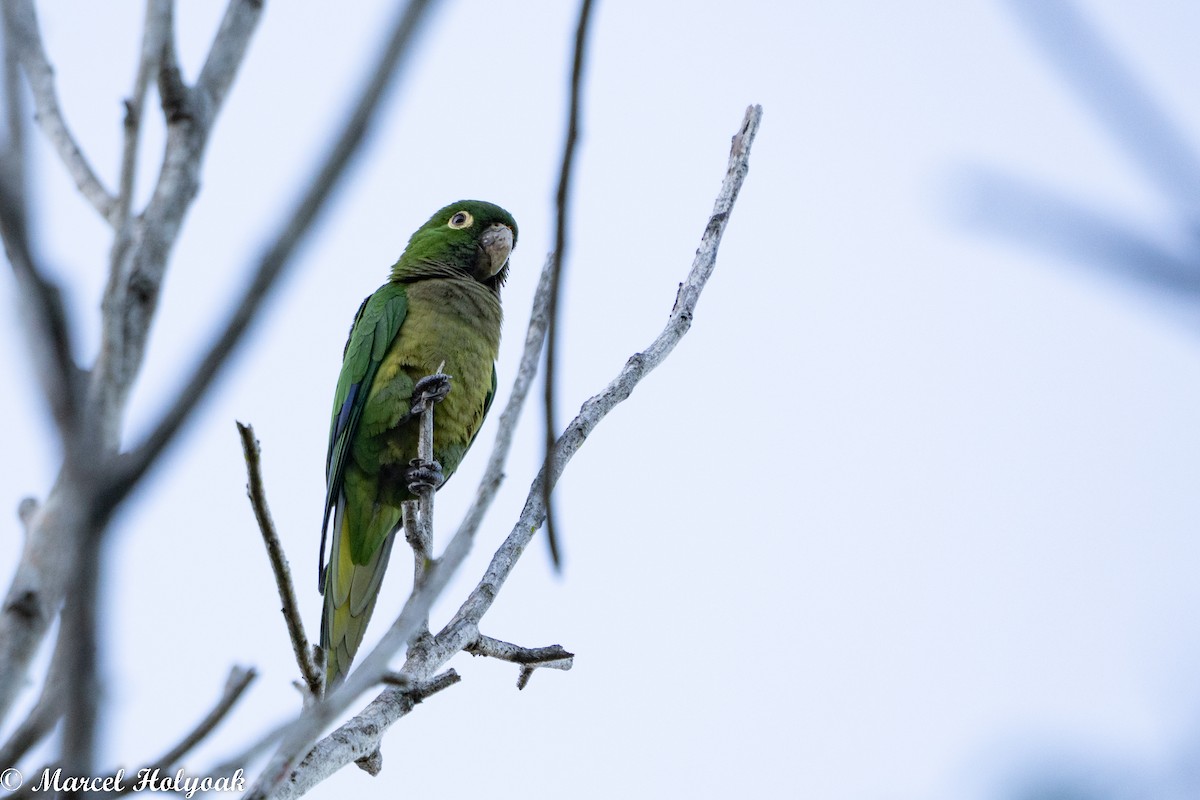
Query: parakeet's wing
x=487 y=404
x=375 y=327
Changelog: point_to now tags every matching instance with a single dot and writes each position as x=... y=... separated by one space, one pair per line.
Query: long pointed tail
x=350 y=593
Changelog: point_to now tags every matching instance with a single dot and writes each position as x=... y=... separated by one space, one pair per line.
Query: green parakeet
x=441 y=304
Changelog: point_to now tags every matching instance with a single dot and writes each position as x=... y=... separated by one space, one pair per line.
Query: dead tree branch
x=561 y=201
x=20 y=19
x=301 y=649
x=554 y=656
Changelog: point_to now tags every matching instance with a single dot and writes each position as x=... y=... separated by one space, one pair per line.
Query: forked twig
x=529 y=658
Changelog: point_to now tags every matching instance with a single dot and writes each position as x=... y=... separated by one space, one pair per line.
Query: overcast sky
x=910 y=514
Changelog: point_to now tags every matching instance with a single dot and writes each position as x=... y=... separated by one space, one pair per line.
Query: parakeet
x=440 y=304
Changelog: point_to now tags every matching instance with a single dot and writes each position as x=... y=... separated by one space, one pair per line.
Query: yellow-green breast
x=456 y=321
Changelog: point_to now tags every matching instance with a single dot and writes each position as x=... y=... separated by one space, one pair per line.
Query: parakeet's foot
x=430 y=389
x=423 y=475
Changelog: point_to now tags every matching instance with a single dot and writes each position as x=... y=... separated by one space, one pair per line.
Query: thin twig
x=277 y=255
x=21 y=19
x=155 y=35
x=236 y=684
x=154 y=38
x=529 y=658
x=561 y=198
x=279 y=565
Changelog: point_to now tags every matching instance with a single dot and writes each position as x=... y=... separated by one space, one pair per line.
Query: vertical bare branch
x=155 y=35
x=42 y=306
x=561 y=199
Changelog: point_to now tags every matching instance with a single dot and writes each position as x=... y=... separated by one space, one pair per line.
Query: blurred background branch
x=1020 y=210
x=562 y=200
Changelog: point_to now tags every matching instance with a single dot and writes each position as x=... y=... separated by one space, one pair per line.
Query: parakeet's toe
x=422 y=475
x=430 y=389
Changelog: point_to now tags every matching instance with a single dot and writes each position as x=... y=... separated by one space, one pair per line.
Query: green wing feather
x=375 y=328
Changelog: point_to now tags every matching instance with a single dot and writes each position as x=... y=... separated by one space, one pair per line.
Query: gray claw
x=430 y=389
x=422 y=475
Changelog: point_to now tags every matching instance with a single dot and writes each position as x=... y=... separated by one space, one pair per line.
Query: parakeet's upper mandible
x=441 y=304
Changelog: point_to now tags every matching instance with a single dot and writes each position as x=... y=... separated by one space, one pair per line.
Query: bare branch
x=311 y=673
x=530 y=658
x=155 y=35
x=21 y=20
x=46 y=318
x=46 y=712
x=38 y=585
x=1024 y=212
x=42 y=306
x=358 y=738
x=562 y=196
x=277 y=255
x=1116 y=97
x=78 y=625
x=236 y=684
x=228 y=51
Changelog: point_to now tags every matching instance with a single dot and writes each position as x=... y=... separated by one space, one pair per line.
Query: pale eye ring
x=461 y=219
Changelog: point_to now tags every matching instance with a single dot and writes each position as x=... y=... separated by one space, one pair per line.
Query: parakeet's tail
x=350 y=593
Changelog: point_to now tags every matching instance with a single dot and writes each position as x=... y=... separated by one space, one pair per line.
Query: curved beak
x=497 y=242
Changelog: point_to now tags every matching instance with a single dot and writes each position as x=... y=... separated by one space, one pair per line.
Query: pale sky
x=910 y=514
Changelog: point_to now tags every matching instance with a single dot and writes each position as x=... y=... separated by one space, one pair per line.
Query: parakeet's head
x=471 y=238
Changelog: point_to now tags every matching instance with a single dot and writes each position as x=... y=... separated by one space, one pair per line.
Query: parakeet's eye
x=461 y=219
